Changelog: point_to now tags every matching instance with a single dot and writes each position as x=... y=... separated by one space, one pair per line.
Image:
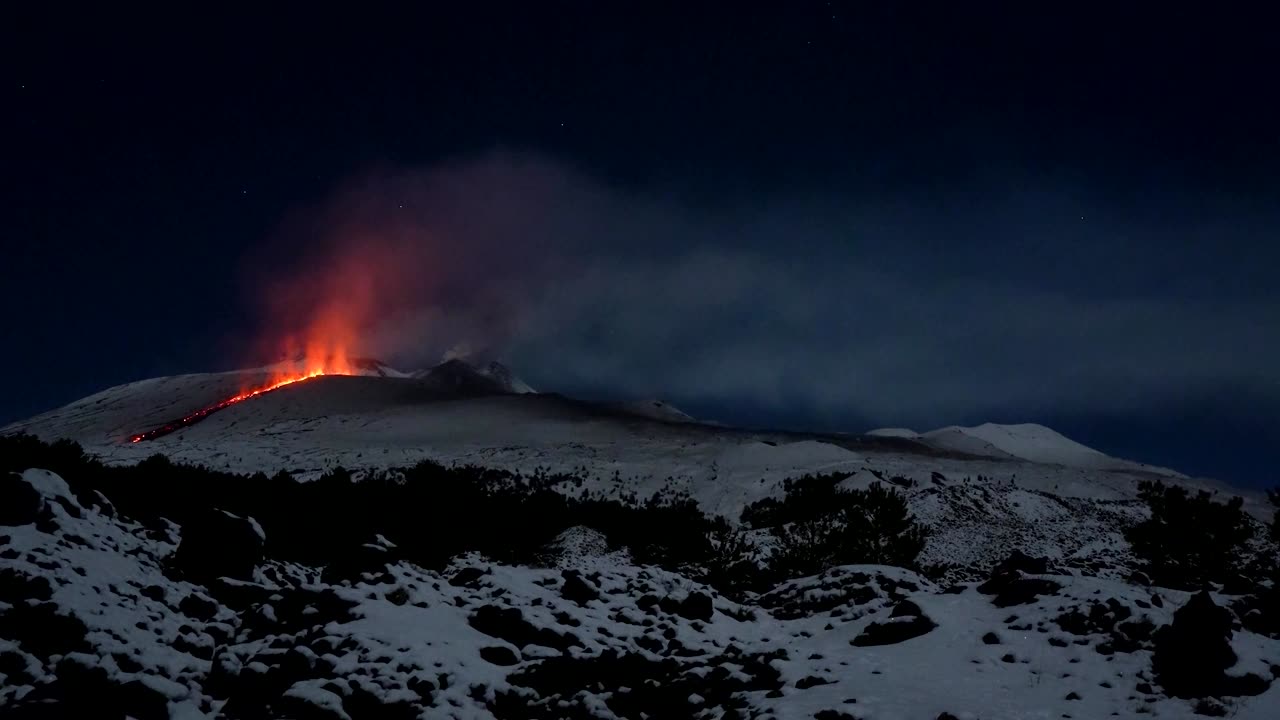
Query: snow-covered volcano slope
x=1024 y=441
x=1040 y=492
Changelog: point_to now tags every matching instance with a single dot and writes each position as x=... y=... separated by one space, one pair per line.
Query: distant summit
x=1024 y=441
x=374 y=367
x=656 y=410
x=460 y=377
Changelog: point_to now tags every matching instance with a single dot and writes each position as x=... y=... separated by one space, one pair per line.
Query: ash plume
x=885 y=314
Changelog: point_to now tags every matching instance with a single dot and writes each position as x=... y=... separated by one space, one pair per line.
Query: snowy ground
x=594 y=636
x=983 y=490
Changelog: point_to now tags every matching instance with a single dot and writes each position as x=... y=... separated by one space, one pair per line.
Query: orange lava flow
x=195 y=417
x=320 y=346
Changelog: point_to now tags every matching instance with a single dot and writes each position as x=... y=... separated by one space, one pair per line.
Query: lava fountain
x=351 y=277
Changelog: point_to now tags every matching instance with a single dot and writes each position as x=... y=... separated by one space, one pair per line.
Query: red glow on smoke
x=320 y=345
x=348 y=282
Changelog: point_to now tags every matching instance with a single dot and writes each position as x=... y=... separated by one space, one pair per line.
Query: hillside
x=167 y=591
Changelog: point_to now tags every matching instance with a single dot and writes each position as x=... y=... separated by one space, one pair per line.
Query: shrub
x=818 y=525
x=803 y=497
x=732 y=564
x=1189 y=540
x=430 y=512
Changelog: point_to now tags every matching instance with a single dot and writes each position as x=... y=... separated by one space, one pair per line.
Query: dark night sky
x=822 y=215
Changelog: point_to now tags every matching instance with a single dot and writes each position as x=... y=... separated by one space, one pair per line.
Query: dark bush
x=733 y=564
x=817 y=525
x=1189 y=540
x=431 y=513
x=804 y=497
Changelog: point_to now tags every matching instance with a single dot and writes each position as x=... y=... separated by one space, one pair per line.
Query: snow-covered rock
x=93 y=623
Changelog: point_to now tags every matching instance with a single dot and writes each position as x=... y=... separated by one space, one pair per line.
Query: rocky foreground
x=103 y=617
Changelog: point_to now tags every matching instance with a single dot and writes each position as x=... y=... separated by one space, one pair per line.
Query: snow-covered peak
x=656 y=410
x=502 y=374
x=376 y=368
x=458 y=375
x=1025 y=441
x=894 y=432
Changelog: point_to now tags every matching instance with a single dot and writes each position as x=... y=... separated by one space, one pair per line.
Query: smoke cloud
x=912 y=308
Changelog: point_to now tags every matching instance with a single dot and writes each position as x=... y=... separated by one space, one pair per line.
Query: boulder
x=894 y=631
x=499 y=655
x=43 y=629
x=1022 y=562
x=198 y=608
x=20 y=503
x=17 y=586
x=1193 y=652
x=696 y=606
x=576 y=589
x=1010 y=586
x=467 y=577
x=303 y=702
x=218 y=544
x=366 y=561
x=509 y=624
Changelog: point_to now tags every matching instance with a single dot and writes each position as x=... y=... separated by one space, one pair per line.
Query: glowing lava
x=277 y=381
x=315 y=334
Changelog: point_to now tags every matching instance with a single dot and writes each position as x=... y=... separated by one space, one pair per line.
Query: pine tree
x=1189 y=540
x=820 y=525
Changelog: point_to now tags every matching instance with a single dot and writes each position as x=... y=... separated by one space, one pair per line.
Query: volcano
x=461 y=412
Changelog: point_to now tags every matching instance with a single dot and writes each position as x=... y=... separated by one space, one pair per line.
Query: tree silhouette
x=1189 y=540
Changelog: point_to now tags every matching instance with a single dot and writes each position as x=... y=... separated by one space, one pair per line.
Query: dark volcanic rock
x=499 y=655
x=658 y=688
x=1022 y=562
x=509 y=624
x=894 y=631
x=298 y=708
x=20 y=504
x=1193 y=652
x=81 y=690
x=576 y=589
x=198 y=608
x=812 y=596
x=466 y=577
x=17 y=586
x=696 y=606
x=366 y=703
x=357 y=562
x=1009 y=586
x=140 y=701
x=218 y=544
x=43 y=630
x=809 y=681
x=906 y=608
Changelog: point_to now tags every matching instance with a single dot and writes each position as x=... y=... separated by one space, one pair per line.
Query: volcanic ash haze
x=407 y=267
